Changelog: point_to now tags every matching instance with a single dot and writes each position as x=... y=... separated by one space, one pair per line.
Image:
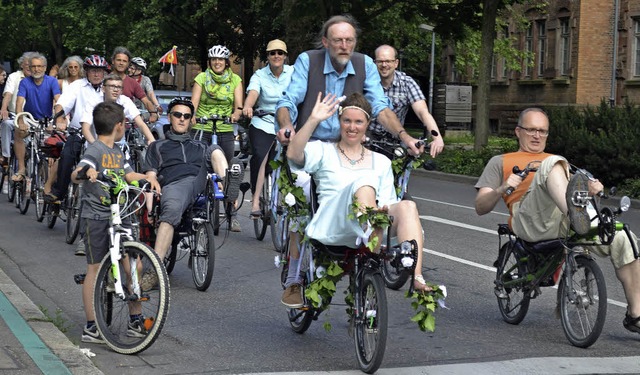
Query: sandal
x=420 y=285
x=631 y=324
x=18 y=177
x=255 y=215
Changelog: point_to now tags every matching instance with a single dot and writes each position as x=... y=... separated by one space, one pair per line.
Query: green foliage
x=464 y=160
x=425 y=304
x=601 y=139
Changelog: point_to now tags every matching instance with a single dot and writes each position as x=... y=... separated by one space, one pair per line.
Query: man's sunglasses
x=278 y=52
x=180 y=115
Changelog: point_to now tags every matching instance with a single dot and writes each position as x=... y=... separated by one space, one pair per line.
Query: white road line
x=456 y=205
x=474 y=264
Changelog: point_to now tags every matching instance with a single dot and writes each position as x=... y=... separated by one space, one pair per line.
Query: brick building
x=572 y=42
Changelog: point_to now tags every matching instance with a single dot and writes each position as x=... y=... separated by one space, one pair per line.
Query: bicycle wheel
x=260 y=225
x=37 y=182
x=73 y=209
x=112 y=318
x=394 y=274
x=215 y=216
x=203 y=256
x=23 y=198
x=371 y=327
x=13 y=168
x=170 y=257
x=279 y=218
x=513 y=300
x=299 y=319
x=583 y=302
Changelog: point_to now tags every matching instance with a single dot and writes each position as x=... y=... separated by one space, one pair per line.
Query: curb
x=71 y=355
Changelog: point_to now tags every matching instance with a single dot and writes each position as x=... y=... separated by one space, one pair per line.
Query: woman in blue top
x=264 y=90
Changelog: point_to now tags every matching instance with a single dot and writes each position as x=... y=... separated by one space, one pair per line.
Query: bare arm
x=86 y=132
x=196 y=93
x=249 y=102
x=237 y=102
x=422 y=111
x=390 y=121
x=153 y=112
x=6 y=99
x=284 y=119
x=144 y=129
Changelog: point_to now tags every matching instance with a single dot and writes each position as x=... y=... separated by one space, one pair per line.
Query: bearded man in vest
x=538 y=203
x=334 y=68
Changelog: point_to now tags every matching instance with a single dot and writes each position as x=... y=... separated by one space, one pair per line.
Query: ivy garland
x=329 y=272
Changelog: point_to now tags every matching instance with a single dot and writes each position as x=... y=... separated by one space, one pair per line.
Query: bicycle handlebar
x=214 y=118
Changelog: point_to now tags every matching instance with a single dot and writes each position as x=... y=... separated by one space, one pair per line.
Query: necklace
x=352 y=161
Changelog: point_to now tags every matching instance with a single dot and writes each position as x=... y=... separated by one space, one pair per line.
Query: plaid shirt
x=403 y=92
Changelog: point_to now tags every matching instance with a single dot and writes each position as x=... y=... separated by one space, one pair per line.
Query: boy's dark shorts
x=96 y=240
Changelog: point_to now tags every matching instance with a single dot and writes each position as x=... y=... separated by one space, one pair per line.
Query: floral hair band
x=341 y=109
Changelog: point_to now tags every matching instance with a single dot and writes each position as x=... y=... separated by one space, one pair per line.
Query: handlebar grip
x=419 y=144
x=510 y=190
x=82 y=174
x=55 y=117
x=287 y=133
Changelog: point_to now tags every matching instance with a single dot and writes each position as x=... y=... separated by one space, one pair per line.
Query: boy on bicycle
x=103 y=155
x=540 y=209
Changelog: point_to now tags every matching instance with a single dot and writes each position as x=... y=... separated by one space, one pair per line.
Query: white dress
x=336 y=184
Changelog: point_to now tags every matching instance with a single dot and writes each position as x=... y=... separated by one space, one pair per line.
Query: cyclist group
x=336 y=97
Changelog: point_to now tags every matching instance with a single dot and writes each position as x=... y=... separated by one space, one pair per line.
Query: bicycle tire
x=24 y=200
x=515 y=304
x=13 y=168
x=215 y=216
x=52 y=215
x=169 y=260
x=299 y=319
x=394 y=273
x=112 y=321
x=370 y=336
x=203 y=256
x=260 y=224
x=279 y=218
x=73 y=209
x=584 y=316
x=38 y=180
x=4 y=177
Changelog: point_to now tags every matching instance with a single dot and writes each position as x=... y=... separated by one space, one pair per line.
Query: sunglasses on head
x=276 y=52
x=186 y=116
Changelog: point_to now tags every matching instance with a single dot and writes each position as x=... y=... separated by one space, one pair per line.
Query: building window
x=636 y=47
x=541 y=53
x=565 y=47
x=528 y=47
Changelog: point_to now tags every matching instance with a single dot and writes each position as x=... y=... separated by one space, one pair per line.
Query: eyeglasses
x=114 y=87
x=178 y=115
x=276 y=52
x=339 y=41
x=388 y=62
x=531 y=131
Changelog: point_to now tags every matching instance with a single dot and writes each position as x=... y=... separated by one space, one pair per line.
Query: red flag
x=171 y=58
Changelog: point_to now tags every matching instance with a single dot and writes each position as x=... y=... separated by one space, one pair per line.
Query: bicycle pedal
x=79 y=278
x=500 y=293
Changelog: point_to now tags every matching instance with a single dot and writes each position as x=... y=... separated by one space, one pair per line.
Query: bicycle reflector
x=399 y=152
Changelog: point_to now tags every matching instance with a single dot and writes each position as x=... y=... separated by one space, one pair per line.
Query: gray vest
x=317 y=83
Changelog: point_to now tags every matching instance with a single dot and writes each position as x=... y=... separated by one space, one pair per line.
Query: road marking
x=474 y=264
x=35 y=348
x=456 y=205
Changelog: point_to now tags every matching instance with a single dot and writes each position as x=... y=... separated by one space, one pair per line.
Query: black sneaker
x=631 y=324
x=51 y=199
x=235 y=175
x=91 y=334
x=135 y=328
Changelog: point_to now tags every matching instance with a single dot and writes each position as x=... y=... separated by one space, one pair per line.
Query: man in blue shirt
x=37 y=95
x=333 y=69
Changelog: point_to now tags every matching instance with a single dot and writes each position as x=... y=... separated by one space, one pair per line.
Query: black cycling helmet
x=180 y=100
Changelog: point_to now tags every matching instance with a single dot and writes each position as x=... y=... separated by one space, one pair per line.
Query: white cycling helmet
x=219 y=51
x=139 y=61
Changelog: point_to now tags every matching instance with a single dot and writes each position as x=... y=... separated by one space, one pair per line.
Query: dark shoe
x=255 y=215
x=292 y=296
x=631 y=324
x=136 y=328
x=235 y=175
x=235 y=225
x=577 y=199
x=80 y=248
x=51 y=199
x=91 y=334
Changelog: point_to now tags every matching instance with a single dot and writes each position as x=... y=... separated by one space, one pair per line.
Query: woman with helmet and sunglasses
x=136 y=71
x=218 y=91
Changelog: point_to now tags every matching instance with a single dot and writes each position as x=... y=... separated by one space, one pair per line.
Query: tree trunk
x=489 y=14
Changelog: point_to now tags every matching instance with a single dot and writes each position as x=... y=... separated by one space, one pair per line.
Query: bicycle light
x=405 y=247
x=625 y=203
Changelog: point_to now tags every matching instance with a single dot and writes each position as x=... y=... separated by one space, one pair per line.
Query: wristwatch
x=434 y=133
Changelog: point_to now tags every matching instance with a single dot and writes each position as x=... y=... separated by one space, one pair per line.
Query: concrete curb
x=71 y=355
